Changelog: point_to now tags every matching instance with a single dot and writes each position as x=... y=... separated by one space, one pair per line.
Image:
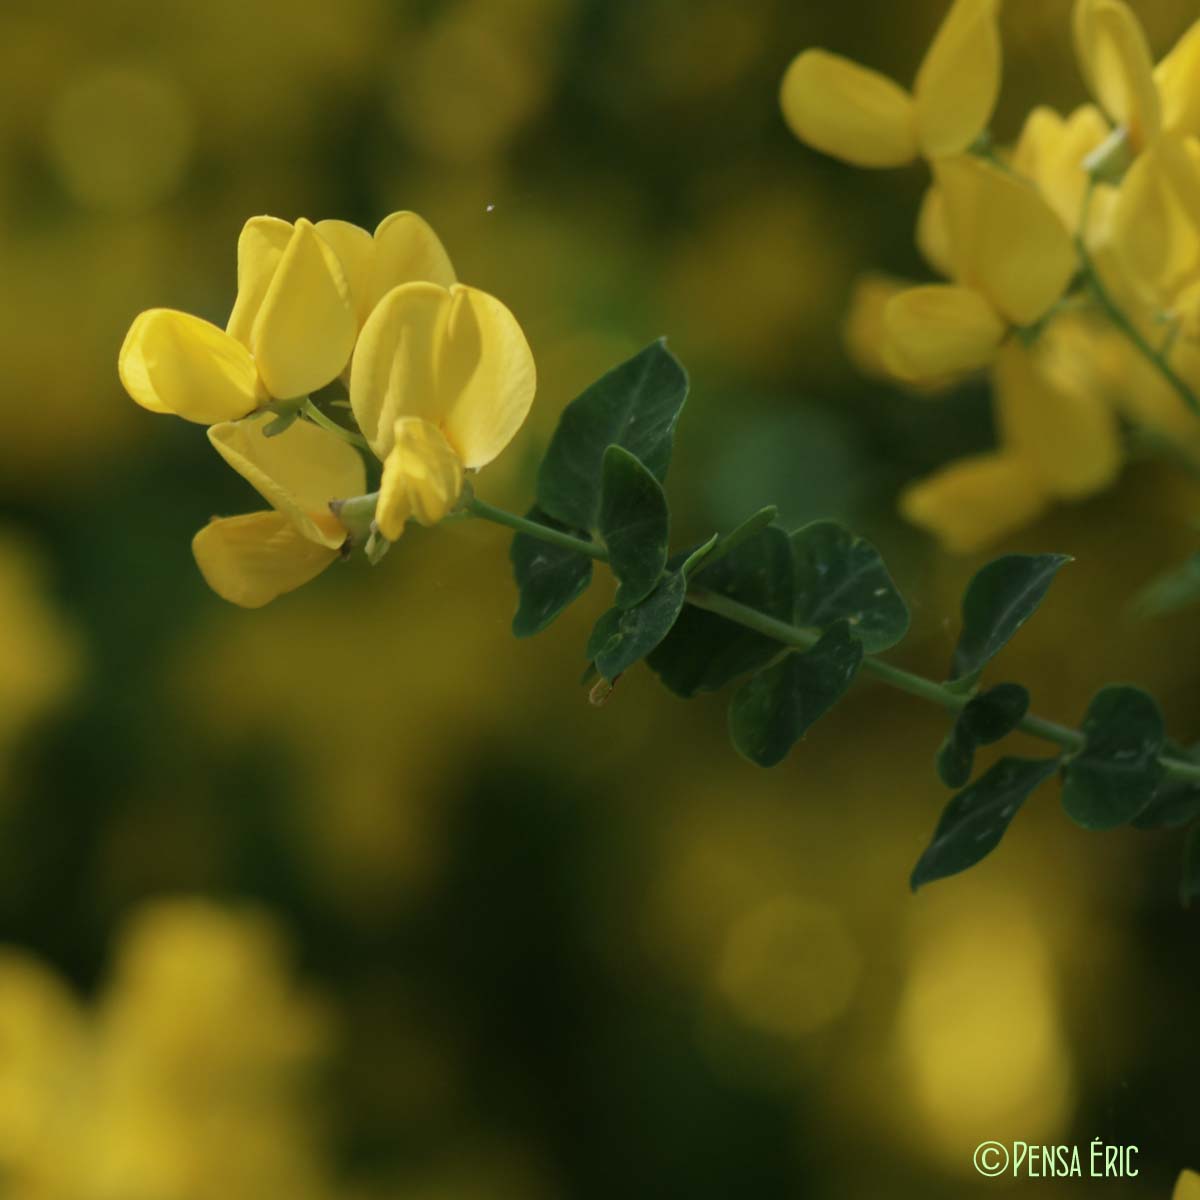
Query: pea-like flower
x=1140 y=99
x=441 y=381
x=1010 y=258
x=864 y=118
x=251 y=559
x=304 y=291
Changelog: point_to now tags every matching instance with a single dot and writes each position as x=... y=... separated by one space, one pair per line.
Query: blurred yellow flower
x=1010 y=258
x=1117 y=66
x=251 y=559
x=304 y=290
x=1187 y=1186
x=1050 y=152
x=441 y=381
x=863 y=118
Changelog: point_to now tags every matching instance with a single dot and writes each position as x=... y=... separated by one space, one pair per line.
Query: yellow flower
x=1115 y=59
x=1058 y=440
x=863 y=118
x=251 y=559
x=304 y=290
x=1010 y=258
x=1153 y=228
x=1187 y=1186
x=1050 y=153
x=441 y=381
x=976 y=501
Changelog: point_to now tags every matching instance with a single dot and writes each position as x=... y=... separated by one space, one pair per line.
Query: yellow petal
x=422 y=478
x=408 y=251
x=356 y=252
x=1005 y=239
x=260 y=247
x=297 y=472
x=1069 y=434
x=939 y=330
x=1116 y=64
x=1050 y=152
x=172 y=362
x=1178 y=80
x=487 y=375
x=1154 y=226
x=393 y=369
x=249 y=560
x=933 y=234
x=305 y=328
x=456 y=358
x=959 y=79
x=848 y=111
x=1187 y=1186
x=976 y=501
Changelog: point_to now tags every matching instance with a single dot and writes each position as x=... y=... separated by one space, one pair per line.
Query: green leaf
x=840 y=577
x=1171 y=591
x=548 y=577
x=984 y=719
x=975 y=820
x=1175 y=802
x=622 y=636
x=636 y=406
x=726 y=543
x=703 y=652
x=634 y=524
x=998 y=601
x=1117 y=772
x=1189 y=882
x=775 y=708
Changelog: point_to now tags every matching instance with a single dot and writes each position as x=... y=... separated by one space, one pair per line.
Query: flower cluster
x=1070 y=261
x=437 y=375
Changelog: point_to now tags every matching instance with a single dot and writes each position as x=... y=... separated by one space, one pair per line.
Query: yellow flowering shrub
x=1079 y=244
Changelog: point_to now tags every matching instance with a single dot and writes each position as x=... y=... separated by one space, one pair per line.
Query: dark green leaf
x=998 y=601
x=634 y=524
x=840 y=577
x=984 y=719
x=1173 y=590
x=693 y=561
x=728 y=542
x=955 y=758
x=548 y=577
x=775 y=708
x=1189 y=882
x=636 y=406
x=622 y=636
x=1116 y=773
x=978 y=817
x=703 y=651
x=994 y=714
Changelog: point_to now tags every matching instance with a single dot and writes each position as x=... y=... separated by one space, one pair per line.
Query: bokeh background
x=356 y=897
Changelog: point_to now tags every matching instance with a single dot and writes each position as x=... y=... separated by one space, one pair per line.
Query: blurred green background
x=356 y=896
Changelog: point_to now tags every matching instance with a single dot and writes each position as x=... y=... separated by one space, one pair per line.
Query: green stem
x=794 y=635
x=556 y=537
x=317 y=417
x=1156 y=357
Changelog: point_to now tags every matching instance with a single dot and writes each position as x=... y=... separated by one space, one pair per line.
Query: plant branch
x=317 y=417
x=801 y=638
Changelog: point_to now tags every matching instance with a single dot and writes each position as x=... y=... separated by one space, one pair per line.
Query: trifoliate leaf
x=703 y=652
x=548 y=577
x=975 y=820
x=775 y=708
x=622 y=636
x=840 y=577
x=635 y=406
x=634 y=524
x=998 y=601
x=1116 y=773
